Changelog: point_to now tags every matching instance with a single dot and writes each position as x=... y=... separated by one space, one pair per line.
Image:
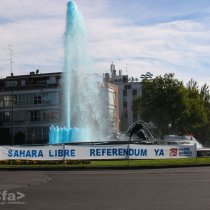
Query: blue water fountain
x=83 y=107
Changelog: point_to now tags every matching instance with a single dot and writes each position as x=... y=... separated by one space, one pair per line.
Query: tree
x=203 y=133
x=159 y=101
x=167 y=101
x=205 y=96
x=197 y=113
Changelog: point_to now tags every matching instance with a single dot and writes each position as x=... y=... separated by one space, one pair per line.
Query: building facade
x=111 y=93
x=30 y=104
x=129 y=90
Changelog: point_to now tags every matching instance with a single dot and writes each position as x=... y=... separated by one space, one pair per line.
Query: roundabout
x=180 y=188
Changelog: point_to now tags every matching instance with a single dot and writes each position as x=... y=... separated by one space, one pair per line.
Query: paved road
x=151 y=189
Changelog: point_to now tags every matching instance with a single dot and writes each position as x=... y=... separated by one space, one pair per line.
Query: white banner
x=96 y=152
x=32 y=153
x=161 y=152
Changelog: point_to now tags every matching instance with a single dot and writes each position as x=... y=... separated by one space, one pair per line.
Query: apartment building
x=30 y=104
x=129 y=89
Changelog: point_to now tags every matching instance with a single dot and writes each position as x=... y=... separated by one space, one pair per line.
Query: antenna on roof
x=11 y=58
x=126 y=68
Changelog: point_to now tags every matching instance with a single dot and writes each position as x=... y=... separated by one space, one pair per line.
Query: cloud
x=33 y=9
x=33 y=42
x=178 y=46
x=144 y=35
x=35 y=31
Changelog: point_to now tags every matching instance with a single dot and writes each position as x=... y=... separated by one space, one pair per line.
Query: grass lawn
x=104 y=163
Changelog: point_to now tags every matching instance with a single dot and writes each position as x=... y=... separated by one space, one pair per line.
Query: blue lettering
x=21 y=153
x=159 y=152
x=40 y=154
x=109 y=152
x=28 y=154
x=120 y=152
x=125 y=152
x=63 y=153
x=103 y=152
x=131 y=151
x=66 y=153
x=73 y=152
x=156 y=151
x=143 y=152
x=98 y=152
x=50 y=153
x=60 y=153
x=9 y=153
x=92 y=152
x=15 y=153
x=114 y=152
x=34 y=153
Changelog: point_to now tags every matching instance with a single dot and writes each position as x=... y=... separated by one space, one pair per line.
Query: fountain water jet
x=84 y=118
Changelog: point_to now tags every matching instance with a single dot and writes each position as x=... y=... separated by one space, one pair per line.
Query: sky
x=139 y=36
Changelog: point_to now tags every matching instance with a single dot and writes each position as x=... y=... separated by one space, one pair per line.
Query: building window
x=22 y=99
x=11 y=83
x=124 y=92
x=23 y=82
x=111 y=98
x=35 y=116
x=37 y=99
x=125 y=79
x=134 y=92
x=46 y=98
x=5 y=117
x=7 y=101
x=45 y=133
x=52 y=80
x=50 y=116
x=34 y=134
x=13 y=99
x=127 y=87
x=37 y=135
